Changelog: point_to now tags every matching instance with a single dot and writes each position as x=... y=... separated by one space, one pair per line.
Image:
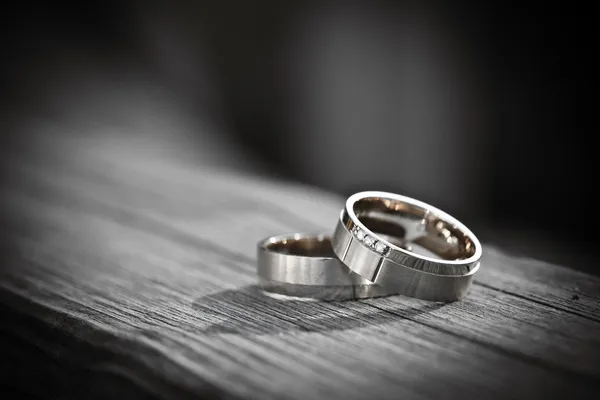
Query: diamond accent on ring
x=370 y=242
x=380 y=247
x=360 y=235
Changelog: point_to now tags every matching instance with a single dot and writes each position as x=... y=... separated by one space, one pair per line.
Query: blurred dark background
x=471 y=107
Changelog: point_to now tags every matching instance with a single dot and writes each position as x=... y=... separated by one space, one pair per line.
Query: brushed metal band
x=304 y=266
x=378 y=235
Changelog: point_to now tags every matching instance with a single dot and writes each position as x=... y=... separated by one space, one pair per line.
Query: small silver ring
x=304 y=266
x=402 y=243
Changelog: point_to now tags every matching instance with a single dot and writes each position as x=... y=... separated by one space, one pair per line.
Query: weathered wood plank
x=143 y=271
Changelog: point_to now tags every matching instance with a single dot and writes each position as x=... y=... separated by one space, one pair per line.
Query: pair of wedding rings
x=383 y=244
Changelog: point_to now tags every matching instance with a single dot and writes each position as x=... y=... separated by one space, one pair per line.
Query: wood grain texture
x=125 y=275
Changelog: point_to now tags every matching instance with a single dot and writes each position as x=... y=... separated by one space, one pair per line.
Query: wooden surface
x=126 y=275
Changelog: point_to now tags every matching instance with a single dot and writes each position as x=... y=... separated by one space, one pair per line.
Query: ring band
x=304 y=266
x=405 y=244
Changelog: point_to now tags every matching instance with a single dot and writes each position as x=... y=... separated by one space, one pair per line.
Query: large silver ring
x=304 y=266
x=402 y=243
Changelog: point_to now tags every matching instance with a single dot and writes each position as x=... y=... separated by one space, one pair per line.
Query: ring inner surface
x=307 y=247
x=413 y=228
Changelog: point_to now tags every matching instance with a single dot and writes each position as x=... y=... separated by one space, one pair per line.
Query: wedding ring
x=304 y=266
x=406 y=245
